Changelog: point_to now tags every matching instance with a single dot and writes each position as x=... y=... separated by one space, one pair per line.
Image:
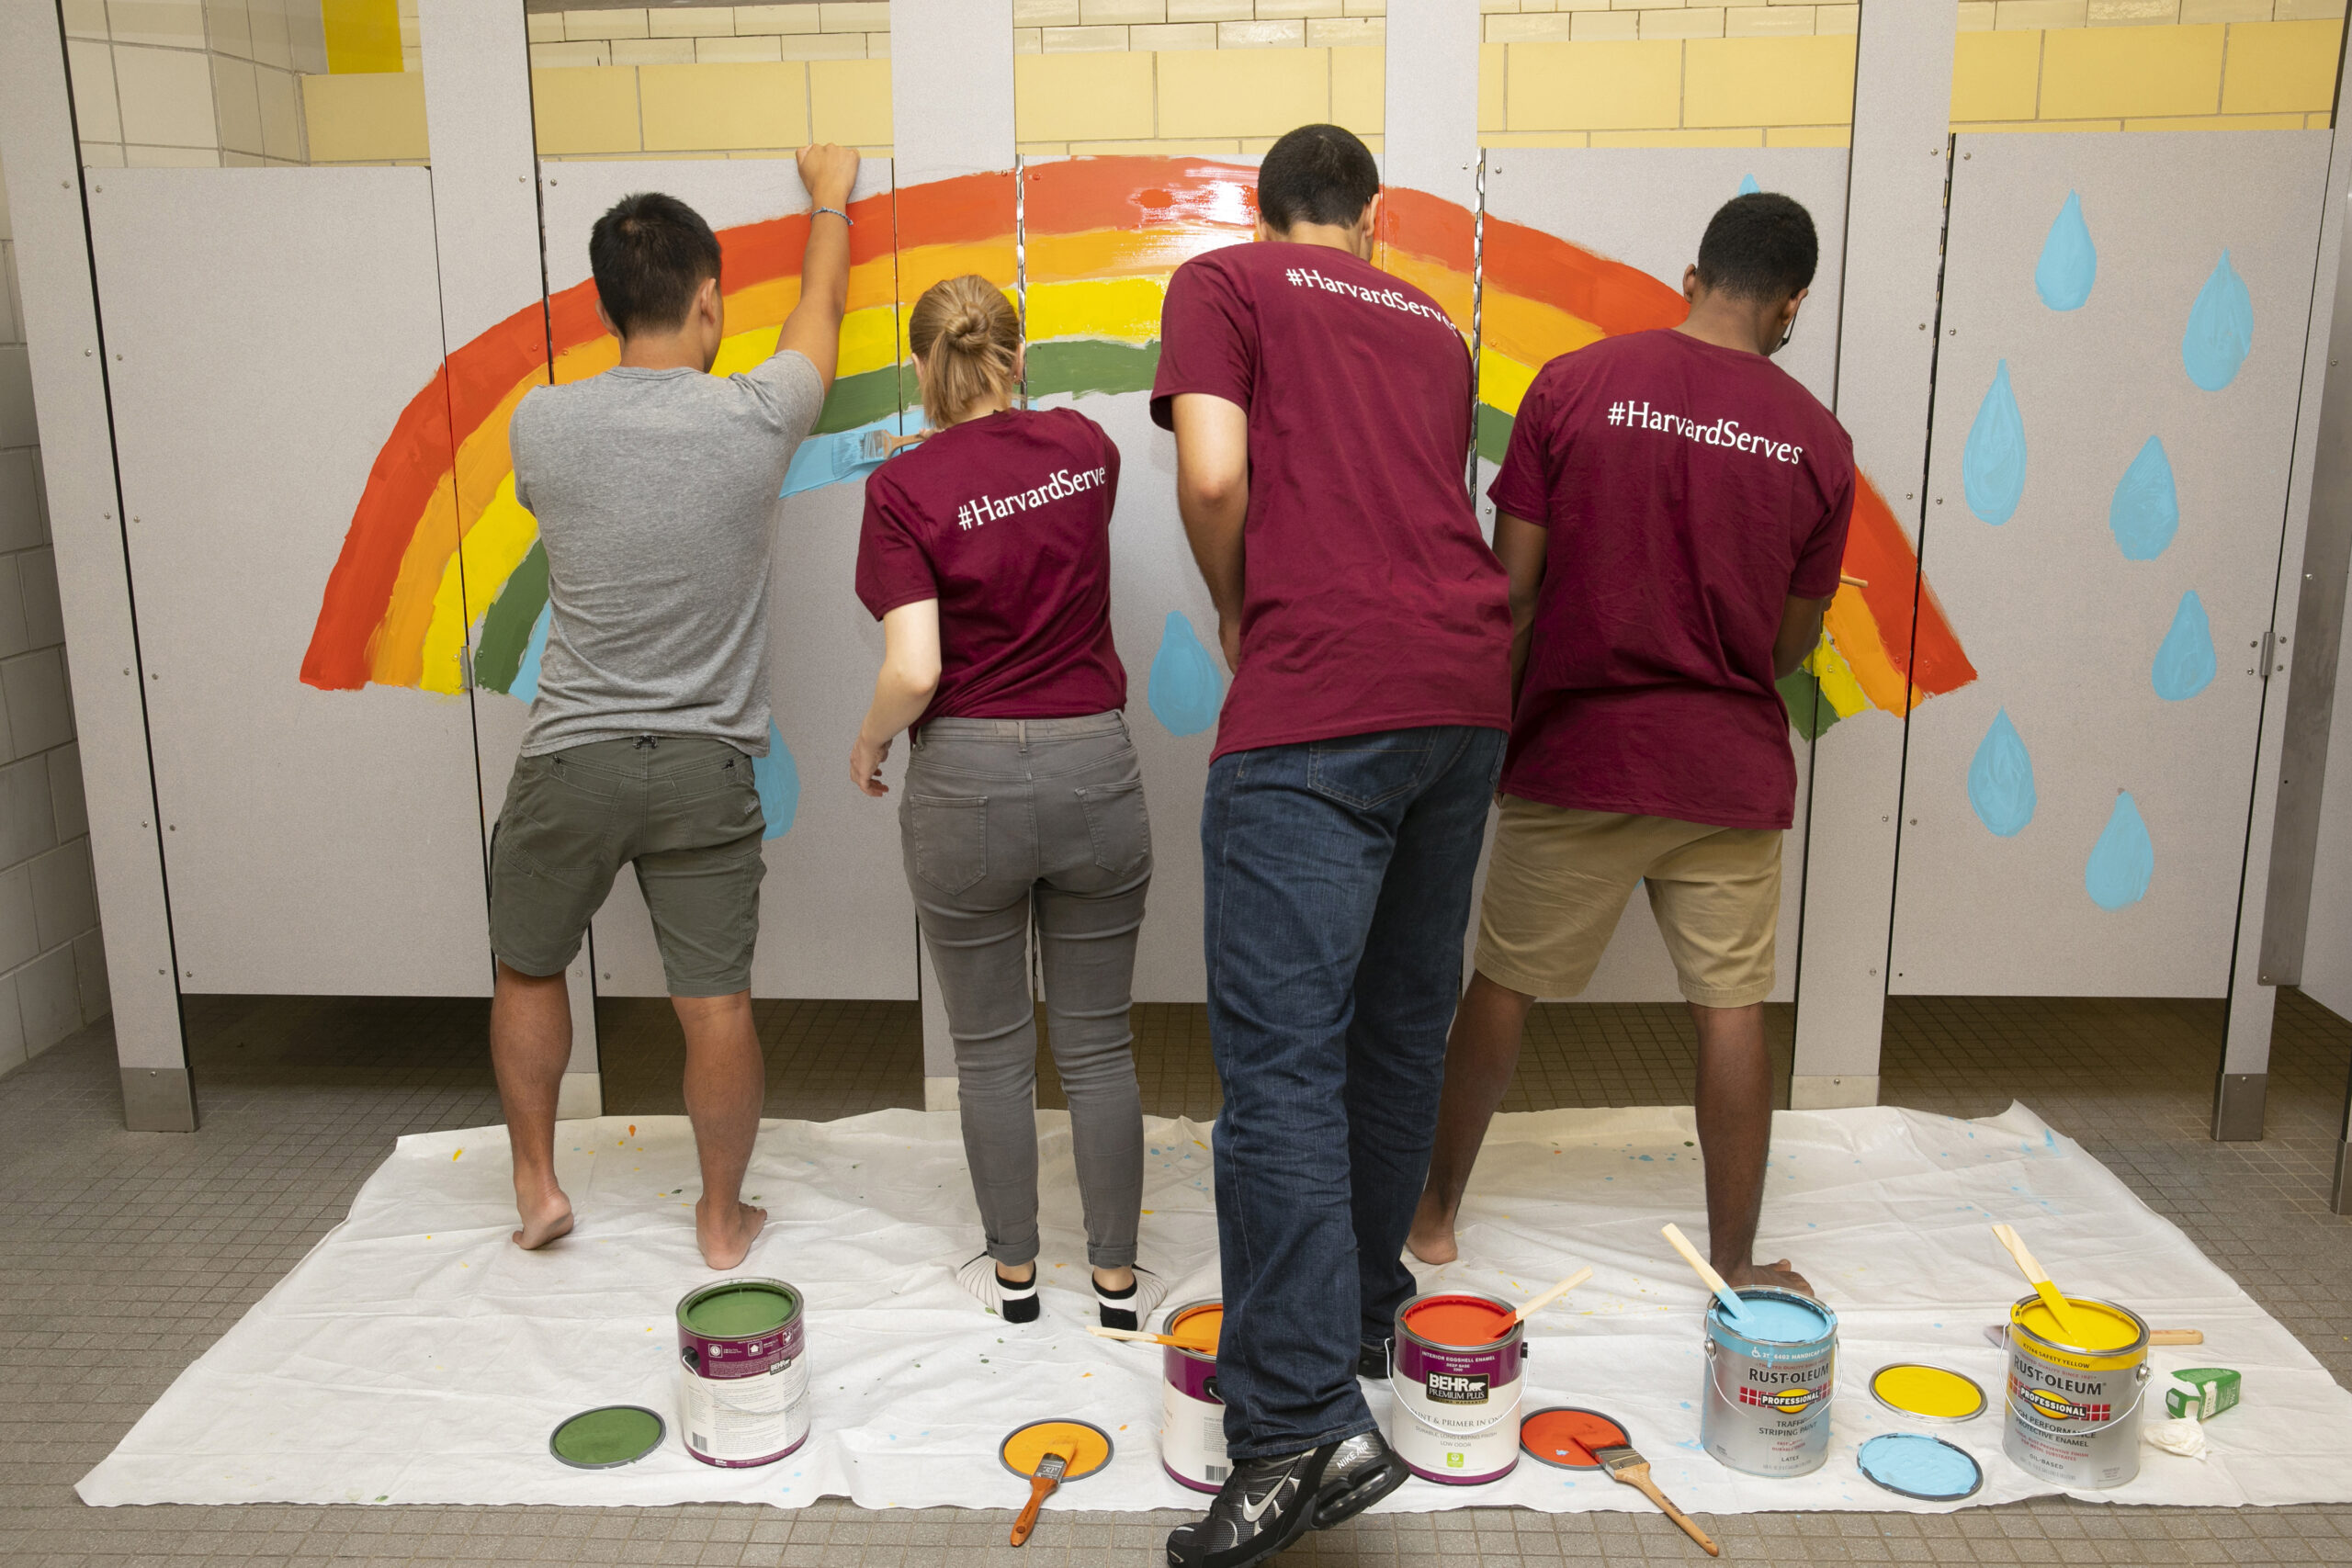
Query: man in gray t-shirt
x=655 y=488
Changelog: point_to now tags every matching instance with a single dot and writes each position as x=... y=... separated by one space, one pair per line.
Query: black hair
x=1317 y=174
x=650 y=254
x=1759 y=246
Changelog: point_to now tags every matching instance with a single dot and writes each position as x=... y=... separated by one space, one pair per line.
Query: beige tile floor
x=123 y=1255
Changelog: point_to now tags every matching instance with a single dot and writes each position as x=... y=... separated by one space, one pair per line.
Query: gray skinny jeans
x=1002 y=817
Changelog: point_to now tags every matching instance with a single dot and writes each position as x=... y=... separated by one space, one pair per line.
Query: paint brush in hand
x=1529 y=1308
x=2036 y=1276
x=1050 y=1468
x=1631 y=1469
x=1734 y=1310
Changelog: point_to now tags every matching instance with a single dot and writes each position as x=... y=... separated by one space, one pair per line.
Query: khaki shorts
x=1559 y=880
x=682 y=809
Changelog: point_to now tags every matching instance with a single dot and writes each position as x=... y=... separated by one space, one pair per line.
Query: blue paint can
x=1766 y=1409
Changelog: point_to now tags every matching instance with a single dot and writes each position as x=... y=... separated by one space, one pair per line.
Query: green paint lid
x=606 y=1438
x=740 y=1309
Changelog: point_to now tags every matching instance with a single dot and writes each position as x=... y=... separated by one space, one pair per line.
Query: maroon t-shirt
x=1689 y=492
x=1006 y=521
x=1371 y=601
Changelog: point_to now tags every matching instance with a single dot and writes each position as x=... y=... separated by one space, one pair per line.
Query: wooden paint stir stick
x=1529 y=1308
x=1142 y=1337
x=1735 y=1309
x=2036 y=1276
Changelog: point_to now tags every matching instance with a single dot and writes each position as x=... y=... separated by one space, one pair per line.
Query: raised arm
x=1213 y=498
x=814 y=328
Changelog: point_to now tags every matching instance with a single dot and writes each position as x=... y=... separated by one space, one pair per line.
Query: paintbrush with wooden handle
x=1140 y=1336
x=1629 y=1468
x=1051 y=1466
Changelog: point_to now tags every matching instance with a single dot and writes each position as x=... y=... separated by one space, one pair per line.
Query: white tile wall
x=207 y=81
x=53 y=962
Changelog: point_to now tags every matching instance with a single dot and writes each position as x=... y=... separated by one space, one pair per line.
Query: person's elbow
x=1213 y=488
x=917 y=674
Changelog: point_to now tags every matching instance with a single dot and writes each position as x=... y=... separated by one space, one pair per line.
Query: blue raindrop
x=2123 y=859
x=1186 y=689
x=2184 y=664
x=1747 y=186
x=2221 y=329
x=2145 y=514
x=2069 y=264
x=526 y=684
x=1992 y=466
x=2000 y=780
x=778 y=783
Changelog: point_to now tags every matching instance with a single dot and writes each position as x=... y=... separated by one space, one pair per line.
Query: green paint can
x=742 y=1378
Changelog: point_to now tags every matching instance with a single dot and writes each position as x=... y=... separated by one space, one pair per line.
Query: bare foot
x=1777 y=1276
x=725 y=1239
x=1432 y=1237
x=544 y=1219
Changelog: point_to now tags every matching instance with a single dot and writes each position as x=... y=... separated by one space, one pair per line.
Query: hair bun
x=968 y=331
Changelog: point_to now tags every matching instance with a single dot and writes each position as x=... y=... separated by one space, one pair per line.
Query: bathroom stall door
x=282 y=427
x=2115 y=393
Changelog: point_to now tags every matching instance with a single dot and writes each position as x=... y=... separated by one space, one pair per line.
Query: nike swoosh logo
x=1251 y=1510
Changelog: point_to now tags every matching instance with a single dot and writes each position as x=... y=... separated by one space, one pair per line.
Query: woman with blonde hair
x=986 y=554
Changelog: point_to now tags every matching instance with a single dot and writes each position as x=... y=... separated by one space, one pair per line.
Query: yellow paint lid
x=2089 y=1325
x=1933 y=1393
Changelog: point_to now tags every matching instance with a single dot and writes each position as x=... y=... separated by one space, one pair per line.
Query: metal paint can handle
x=2140 y=1376
x=1477 y=1431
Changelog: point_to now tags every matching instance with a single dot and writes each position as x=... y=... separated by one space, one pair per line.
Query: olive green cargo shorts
x=682 y=809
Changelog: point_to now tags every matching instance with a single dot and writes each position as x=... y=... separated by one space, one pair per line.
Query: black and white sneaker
x=1014 y=1303
x=1128 y=1308
x=1267 y=1504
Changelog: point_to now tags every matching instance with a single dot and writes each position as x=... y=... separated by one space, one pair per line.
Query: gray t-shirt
x=656 y=492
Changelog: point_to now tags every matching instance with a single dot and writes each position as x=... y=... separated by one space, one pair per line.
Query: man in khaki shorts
x=1672 y=511
x=655 y=486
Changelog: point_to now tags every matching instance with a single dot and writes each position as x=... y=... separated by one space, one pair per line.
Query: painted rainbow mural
x=440 y=559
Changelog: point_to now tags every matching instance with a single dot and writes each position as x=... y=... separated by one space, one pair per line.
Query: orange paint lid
x=1199 y=1327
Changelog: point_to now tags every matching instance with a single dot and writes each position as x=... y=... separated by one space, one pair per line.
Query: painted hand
x=866 y=766
x=828 y=172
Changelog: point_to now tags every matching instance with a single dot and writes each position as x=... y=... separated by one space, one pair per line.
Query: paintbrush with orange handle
x=1626 y=1465
x=1051 y=1466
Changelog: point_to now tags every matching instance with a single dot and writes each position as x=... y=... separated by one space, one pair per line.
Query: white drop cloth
x=416 y=1356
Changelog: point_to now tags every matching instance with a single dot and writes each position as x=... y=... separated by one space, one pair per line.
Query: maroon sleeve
x=1824 y=553
x=1208 y=340
x=1524 y=486
x=892 y=566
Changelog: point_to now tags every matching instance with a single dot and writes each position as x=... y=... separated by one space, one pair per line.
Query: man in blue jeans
x=1322 y=416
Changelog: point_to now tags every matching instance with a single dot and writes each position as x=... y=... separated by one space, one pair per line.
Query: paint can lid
x=738 y=1309
x=1912 y=1465
x=1921 y=1393
x=1026 y=1446
x=1565 y=1435
x=605 y=1438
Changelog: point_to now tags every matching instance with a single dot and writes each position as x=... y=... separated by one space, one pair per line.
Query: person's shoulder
x=1232 y=264
x=1830 y=438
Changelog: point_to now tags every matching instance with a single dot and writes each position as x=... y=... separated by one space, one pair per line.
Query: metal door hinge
x=2267 y=655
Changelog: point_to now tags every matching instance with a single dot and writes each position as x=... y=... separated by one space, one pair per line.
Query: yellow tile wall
x=576 y=111
x=1768 y=81
x=849 y=102
x=2092 y=72
x=368 y=118
x=2280 y=66
x=1242 y=92
x=1593 y=86
x=723 y=108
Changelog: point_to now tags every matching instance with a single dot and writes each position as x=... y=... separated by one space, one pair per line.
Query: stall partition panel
x=1583 y=243
x=2124 y=321
x=1102 y=237
x=835 y=919
x=283 y=428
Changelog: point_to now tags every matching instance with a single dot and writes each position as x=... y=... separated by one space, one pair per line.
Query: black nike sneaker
x=1267 y=1504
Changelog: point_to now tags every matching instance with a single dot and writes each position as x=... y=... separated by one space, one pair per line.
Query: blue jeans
x=1338 y=880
